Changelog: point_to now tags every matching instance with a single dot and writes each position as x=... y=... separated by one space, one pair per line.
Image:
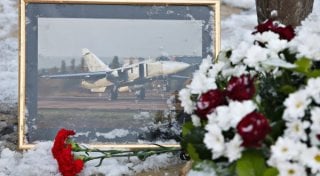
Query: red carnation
x=253 y=128
x=286 y=33
x=68 y=166
x=241 y=88
x=62 y=152
x=60 y=141
x=209 y=101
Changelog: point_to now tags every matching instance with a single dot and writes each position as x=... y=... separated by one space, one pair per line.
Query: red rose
x=209 y=101
x=241 y=88
x=60 y=141
x=253 y=128
x=286 y=33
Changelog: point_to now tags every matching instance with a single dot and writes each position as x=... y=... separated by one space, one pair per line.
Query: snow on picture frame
x=110 y=69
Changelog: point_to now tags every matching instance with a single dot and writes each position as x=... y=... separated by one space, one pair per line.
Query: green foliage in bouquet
x=255 y=111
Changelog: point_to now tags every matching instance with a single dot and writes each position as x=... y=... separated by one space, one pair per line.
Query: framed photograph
x=110 y=69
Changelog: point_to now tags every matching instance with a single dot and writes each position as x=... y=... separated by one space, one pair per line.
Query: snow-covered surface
x=39 y=161
x=8 y=52
x=246 y=4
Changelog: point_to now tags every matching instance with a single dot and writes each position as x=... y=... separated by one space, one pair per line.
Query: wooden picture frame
x=151 y=46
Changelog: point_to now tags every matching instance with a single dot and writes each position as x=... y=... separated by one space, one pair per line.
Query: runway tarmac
x=123 y=103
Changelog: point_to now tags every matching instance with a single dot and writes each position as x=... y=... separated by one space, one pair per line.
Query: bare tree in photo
x=288 y=12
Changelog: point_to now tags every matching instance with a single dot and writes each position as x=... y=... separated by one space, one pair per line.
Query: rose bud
x=241 y=88
x=253 y=128
x=209 y=101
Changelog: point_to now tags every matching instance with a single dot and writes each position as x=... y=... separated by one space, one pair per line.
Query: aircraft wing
x=180 y=77
x=95 y=75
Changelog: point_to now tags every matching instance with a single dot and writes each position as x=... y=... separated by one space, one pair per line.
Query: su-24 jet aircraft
x=130 y=77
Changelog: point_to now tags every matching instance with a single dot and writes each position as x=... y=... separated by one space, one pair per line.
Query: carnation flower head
x=255 y=56
x=241 y=88
x=60 y=141
x=208 y=102
x=270 y=25
x=201 y=83
x=234 y=148
x=214 y=140
x=186 y=102
x=62 y=152
x=253 y=128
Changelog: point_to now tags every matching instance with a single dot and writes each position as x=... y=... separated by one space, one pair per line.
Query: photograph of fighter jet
x=115 y=79
x=127 y=78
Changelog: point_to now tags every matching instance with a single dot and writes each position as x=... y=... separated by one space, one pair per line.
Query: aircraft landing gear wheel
x=114 y=93
x=141 y=94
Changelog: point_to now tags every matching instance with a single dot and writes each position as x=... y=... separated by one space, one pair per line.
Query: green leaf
x=314 y=74
x=195 y=137
x=287 y=89
x=192 y=152
x=271 y=172
x=187 y=127
x=303 y=65
x=251 y=163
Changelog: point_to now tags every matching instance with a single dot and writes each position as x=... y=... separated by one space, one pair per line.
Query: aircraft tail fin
x=93 y=62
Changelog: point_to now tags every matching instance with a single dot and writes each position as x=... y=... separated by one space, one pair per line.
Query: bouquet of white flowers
x=255 y=111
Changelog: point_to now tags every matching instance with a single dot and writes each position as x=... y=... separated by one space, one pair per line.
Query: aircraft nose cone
x=174 y=67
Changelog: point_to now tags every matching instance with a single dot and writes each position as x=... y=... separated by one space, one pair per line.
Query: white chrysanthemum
x=277 y=45
x=238 y=110
x=296 y=105
x=266 y=37
x=186 y=102
x=306 y=42
x=234 y=148
x=221 y=116
x=311 y=158
x=229 y=116
x=276 y=61
x=195 y=120
x=313 y=89
x=291 y=169
x=216 y=68
x=285 y=149
x=234 y=71
x=255 y=55
x=205 y=65
x=315 y=117
x=201 y=83
x=314 y=137
x=214 y=140
x=296 y=130
x=240 y=52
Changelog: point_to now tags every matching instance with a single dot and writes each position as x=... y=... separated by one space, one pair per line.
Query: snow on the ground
x=8 y=52
x=246 y=4
x=39 y=160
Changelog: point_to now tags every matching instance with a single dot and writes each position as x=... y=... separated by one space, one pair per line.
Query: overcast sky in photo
x=65 y=37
